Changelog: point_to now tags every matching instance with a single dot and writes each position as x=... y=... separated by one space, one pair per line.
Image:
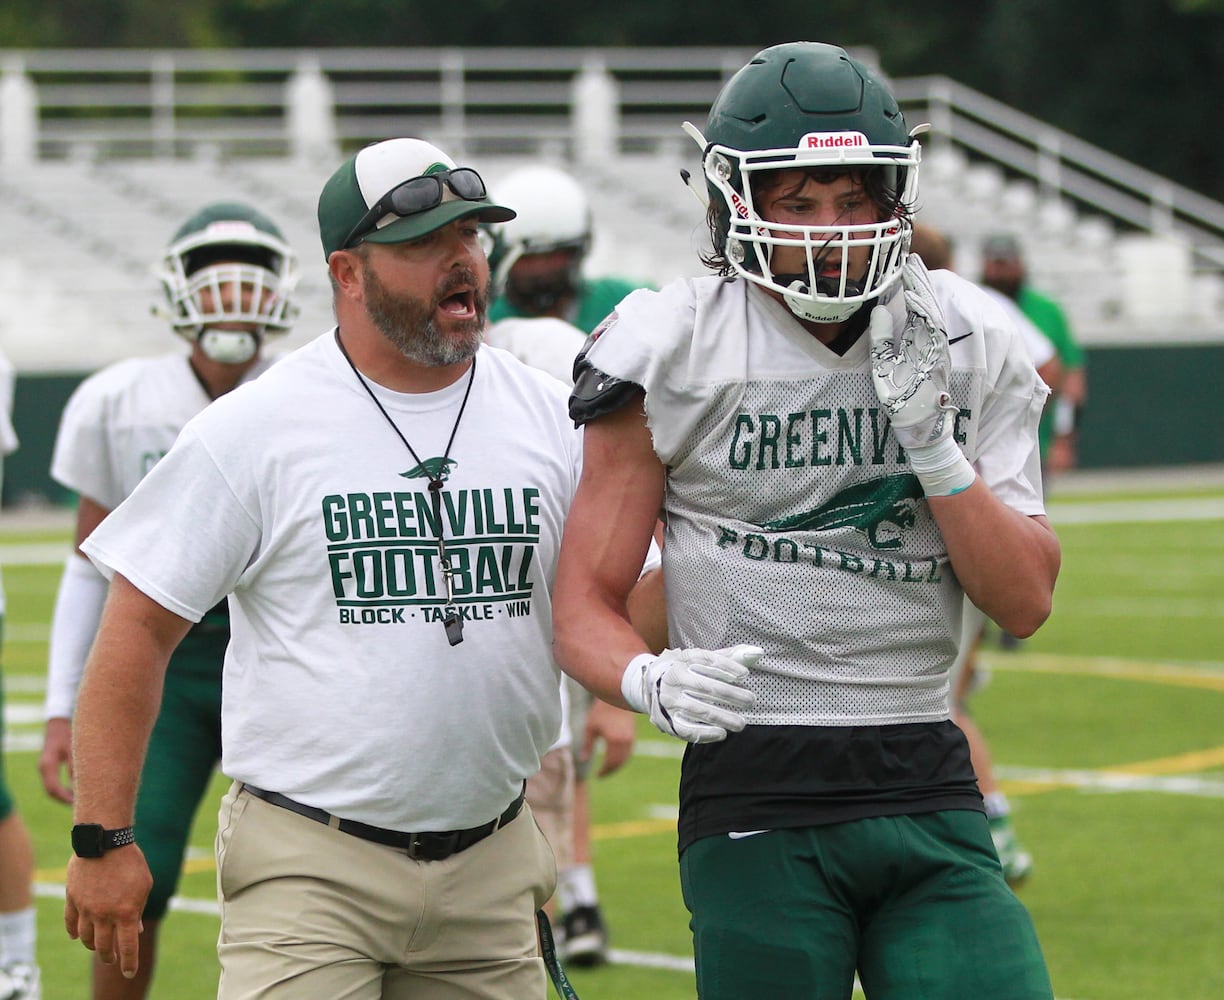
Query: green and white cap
x=369 y=175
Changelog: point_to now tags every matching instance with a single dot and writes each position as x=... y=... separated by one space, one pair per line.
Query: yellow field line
x=1184 y=763
x=632 y=828
x=1138 y=670
x=204 y=863
x=1179 y=675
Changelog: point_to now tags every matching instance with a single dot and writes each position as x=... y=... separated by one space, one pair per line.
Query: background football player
x=228 y=277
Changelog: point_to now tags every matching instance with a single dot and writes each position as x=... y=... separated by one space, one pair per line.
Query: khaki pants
x=308 y=911
x=550 y=793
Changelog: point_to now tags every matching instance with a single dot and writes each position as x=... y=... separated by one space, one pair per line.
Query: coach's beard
x=411 y=324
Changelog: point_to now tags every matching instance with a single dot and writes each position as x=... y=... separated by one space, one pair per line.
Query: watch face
x=87 y=840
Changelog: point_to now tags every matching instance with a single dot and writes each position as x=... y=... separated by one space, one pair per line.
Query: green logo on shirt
x=879 y=508
x=431 y=468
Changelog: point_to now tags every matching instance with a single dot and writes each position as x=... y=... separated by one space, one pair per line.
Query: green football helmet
x=808 y=104
x=229 y=264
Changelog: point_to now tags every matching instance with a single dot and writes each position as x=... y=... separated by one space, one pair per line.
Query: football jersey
x=793 y=519
x=120 y=421
x=794 y=523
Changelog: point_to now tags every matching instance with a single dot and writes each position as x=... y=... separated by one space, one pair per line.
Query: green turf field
x=1108 y=728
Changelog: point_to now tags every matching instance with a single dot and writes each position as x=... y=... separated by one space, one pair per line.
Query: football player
x=537 y=259
x=228 y=276
x=843 y=446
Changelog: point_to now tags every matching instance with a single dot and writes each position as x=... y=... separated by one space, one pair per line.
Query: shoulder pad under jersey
x=596 y=393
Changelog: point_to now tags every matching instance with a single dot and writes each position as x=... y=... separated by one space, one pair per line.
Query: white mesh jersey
x=120 y=421
x=793 y=520
x=294 y=496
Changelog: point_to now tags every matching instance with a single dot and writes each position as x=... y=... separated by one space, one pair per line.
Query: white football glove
x=695 y=694
x=910 y=361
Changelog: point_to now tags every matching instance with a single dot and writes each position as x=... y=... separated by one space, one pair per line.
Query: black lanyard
x=452 y=620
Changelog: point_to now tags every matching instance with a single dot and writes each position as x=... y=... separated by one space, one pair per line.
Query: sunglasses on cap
x=419 y=194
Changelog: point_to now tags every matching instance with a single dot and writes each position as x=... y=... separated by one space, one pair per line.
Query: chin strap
x=819 y=310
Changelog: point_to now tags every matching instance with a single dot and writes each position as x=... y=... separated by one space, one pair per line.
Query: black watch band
x=90 y=840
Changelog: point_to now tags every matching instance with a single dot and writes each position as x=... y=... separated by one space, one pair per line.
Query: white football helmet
x=228 y=264
x=807 y=104
x=553 y=214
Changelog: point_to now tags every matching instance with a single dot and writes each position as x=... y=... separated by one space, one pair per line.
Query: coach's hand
x=103 y=900
x=698 y=695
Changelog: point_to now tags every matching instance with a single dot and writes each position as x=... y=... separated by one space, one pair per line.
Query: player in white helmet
x=228 y=278
x=538 y=257
x=843 y=447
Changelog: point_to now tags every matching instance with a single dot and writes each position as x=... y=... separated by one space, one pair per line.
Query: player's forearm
x=1006 y=562
x=593 y=642
x=118 y=704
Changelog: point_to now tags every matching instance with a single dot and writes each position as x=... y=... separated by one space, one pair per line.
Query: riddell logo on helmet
x=832 y=140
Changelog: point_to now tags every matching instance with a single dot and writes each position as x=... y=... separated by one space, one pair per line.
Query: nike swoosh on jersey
x=744 y=834
x=955 y=340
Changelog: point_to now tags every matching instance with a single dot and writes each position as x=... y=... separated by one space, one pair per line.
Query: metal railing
x=586 y=105
x=170 y=103
x=1064 y=167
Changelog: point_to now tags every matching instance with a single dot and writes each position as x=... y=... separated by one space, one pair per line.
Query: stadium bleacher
x=76 y=289
x=95 y=178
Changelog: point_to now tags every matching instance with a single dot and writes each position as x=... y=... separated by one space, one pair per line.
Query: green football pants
x=916 y=905
x=184 y=750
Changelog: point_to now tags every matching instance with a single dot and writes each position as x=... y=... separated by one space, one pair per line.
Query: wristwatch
x=90 y=840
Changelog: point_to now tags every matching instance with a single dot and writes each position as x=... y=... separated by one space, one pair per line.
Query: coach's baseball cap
x=371 y=174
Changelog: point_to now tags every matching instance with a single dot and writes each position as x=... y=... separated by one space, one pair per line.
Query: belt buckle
x=433 y=846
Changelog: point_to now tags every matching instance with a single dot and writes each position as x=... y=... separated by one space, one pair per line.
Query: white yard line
x=23 y=554
x=1128 y=511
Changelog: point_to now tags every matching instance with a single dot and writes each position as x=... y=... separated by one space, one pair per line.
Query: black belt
x=419 y=846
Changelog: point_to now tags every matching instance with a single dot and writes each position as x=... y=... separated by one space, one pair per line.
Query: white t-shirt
x=293 y=495
x=120 y=421
x=1041 y=349
x=794 y=521
x=540 y=341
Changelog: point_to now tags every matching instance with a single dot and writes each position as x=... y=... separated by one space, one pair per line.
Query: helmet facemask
x=230 y=274
x=536 y=294
x=230 y=294
x=889 y=173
